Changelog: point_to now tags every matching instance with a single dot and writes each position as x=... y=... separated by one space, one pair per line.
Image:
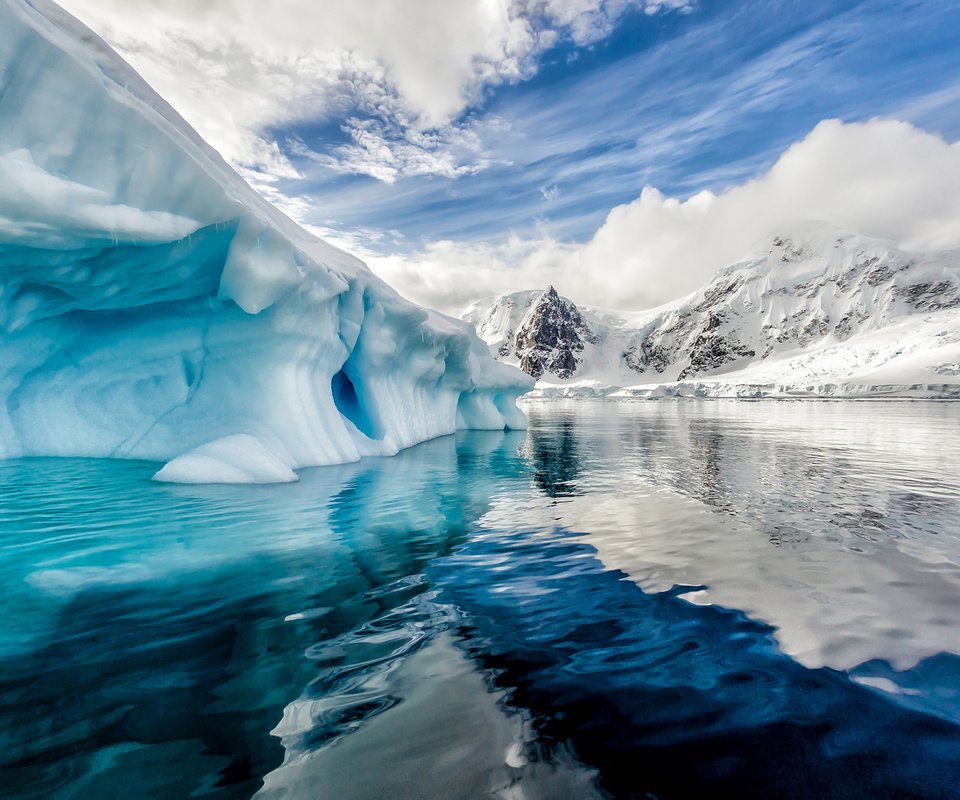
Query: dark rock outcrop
x=551 y=337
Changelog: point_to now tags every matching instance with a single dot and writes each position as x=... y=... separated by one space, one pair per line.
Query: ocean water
x=643 y=599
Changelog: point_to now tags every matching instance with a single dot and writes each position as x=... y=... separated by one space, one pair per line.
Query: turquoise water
x=667 y=599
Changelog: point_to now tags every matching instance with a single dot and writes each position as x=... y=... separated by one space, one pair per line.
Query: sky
x=622 y=150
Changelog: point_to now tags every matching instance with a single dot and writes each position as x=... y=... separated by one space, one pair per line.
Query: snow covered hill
x=153 y=306
x=814 y=312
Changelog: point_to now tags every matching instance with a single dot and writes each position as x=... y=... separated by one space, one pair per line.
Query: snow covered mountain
x=153 y=306
x=543 y=332
x=816 y=311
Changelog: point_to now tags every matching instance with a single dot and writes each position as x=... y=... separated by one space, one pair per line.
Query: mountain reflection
x=553 y=453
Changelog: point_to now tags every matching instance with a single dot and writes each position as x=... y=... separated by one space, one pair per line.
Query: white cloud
x=589 y=21
x=881 y=178
x=388 y=151
x=449 y=275
x=237 y=68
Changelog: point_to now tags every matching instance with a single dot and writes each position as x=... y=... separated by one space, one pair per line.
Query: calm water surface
x=637 y=600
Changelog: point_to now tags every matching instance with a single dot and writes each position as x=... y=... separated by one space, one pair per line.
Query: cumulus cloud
x=386 y=70
x=236 y=68
x=449 y=275
x=882 y=178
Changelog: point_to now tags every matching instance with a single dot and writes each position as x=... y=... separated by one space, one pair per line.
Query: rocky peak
x=551 y=337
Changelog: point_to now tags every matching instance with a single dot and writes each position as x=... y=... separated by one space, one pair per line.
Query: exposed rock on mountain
x=543 y=333
x=551 y=336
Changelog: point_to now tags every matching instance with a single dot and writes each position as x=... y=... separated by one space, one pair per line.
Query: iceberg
x=153 y=305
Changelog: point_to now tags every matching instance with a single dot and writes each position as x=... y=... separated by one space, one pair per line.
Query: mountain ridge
x=815 y=309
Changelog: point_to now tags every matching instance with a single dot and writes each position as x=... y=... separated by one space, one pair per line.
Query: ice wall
x=152 y=303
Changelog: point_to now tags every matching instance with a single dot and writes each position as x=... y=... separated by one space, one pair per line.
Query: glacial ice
x=152 y=303
x=232 y=459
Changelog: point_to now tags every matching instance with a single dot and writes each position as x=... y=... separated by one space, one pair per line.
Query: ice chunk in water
x=233 y=459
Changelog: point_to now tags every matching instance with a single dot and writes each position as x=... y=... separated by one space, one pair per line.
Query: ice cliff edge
x=152 y=304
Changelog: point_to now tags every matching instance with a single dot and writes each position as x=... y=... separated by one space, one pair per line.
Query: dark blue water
x=637 y=600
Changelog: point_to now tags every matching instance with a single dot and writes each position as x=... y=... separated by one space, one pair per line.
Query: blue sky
x=468 y=147
x=682 y=102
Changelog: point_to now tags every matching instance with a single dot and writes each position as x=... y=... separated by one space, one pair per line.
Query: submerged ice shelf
x=153 y=305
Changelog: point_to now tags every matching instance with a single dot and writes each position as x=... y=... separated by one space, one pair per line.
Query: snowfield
x=816 y=312
x=153 y=305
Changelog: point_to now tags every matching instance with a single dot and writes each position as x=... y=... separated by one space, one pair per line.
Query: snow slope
x=151 y=303
x=816 y=312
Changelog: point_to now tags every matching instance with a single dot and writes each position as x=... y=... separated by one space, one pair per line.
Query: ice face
x=151 y=303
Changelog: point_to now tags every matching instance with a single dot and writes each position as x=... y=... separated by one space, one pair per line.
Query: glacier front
x=152 y=304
